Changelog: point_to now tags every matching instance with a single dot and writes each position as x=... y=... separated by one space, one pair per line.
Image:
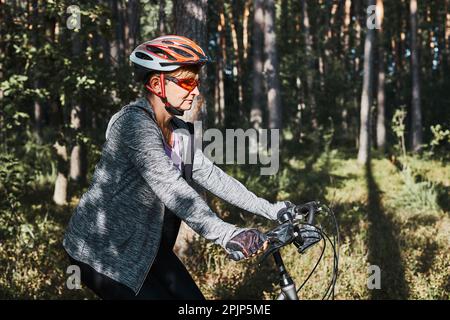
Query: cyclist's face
x=179 y=96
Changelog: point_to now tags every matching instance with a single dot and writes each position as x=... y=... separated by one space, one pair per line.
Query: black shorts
x=167 y=279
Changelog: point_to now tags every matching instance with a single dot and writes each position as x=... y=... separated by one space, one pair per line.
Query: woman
x=122 y=232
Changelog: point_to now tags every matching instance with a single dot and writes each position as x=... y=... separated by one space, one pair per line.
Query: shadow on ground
x=383 y=244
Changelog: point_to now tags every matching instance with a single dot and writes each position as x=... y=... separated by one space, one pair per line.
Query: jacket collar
x=145 y=104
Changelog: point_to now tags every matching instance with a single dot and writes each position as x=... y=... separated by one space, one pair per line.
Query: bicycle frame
x=288 y=289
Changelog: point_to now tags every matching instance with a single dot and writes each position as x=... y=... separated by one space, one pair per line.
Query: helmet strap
x=171 y=109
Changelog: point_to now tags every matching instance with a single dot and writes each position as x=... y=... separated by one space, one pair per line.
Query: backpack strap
x=188 y=167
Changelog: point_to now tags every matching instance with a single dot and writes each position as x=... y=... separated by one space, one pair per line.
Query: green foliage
x=439 y=135
x=13 y=180
x=415 y=195
x=420 y=196
x=399 y=128
x=32 y=261
x=439 y=145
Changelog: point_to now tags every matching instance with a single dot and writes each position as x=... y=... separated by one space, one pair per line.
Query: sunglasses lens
x=188 y=84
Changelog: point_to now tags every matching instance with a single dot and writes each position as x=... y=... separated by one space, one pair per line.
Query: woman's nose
x=195 y=92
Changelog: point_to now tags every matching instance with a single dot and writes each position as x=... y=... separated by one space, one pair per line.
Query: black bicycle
x=304 y=233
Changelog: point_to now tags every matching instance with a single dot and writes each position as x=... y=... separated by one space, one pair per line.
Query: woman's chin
x=187 y=107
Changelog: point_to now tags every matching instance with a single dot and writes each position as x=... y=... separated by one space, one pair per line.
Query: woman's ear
x=155 y=84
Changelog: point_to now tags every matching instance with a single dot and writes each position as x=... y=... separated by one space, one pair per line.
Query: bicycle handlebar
x=302 y=232
x=292 y=230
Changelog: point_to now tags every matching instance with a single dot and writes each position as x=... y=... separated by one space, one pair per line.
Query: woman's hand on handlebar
x=247 y=244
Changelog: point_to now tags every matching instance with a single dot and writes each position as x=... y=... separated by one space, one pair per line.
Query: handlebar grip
x=311 y=214
x=310 y=209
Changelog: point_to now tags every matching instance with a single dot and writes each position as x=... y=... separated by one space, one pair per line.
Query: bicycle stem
x=288 y=290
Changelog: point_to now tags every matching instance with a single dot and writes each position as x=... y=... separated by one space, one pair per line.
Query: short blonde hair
x=189 y=71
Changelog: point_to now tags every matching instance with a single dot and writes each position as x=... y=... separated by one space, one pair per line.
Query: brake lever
x=308 y=210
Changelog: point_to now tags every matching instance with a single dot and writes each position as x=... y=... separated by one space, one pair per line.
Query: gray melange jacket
x=117 y=225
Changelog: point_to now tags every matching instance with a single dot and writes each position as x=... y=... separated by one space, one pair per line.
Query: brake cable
x=290 y=232
x=325 y=237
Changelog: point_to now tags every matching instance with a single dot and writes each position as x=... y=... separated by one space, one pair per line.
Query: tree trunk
x=62 y=178
x=344 y=55
x=116 y=46
x=162 y=17
x=245 y=28
x=190 y=21
x=416 y=114
x=219 y=99
x=133 y=10
x=356 y=66
x=310 y=94
x=106 y=49
x=78 y=153
x=256 y=116
x=330 y=35
x=2 y=53
x=346 y=25
x=447 y=33
x=399 y=55
x=381 y=125
x=357 y=44
x=122 y=29
x=60 y=192
x=237 y=70
x=37 y=104
x=271 y=68
x=299 y=84
x=366 y=97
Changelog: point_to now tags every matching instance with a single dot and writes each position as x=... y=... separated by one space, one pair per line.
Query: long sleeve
x=212 y=178
x=143 y=144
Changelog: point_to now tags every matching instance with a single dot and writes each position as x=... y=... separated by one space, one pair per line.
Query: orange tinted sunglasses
x=188 y=84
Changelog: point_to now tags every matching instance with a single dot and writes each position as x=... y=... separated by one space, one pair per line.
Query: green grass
x=410 y=243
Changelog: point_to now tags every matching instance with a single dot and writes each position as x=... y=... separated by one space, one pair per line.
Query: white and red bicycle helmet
x=165 y=53
x=168 y=53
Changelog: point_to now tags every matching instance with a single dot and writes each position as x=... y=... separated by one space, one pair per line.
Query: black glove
x=245 y=244
x=310 y=235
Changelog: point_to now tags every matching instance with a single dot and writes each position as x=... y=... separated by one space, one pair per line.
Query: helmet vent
x=193 y=50
x=160 y=53
x=167 y=42
x=143 y=56
x=182 y=52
